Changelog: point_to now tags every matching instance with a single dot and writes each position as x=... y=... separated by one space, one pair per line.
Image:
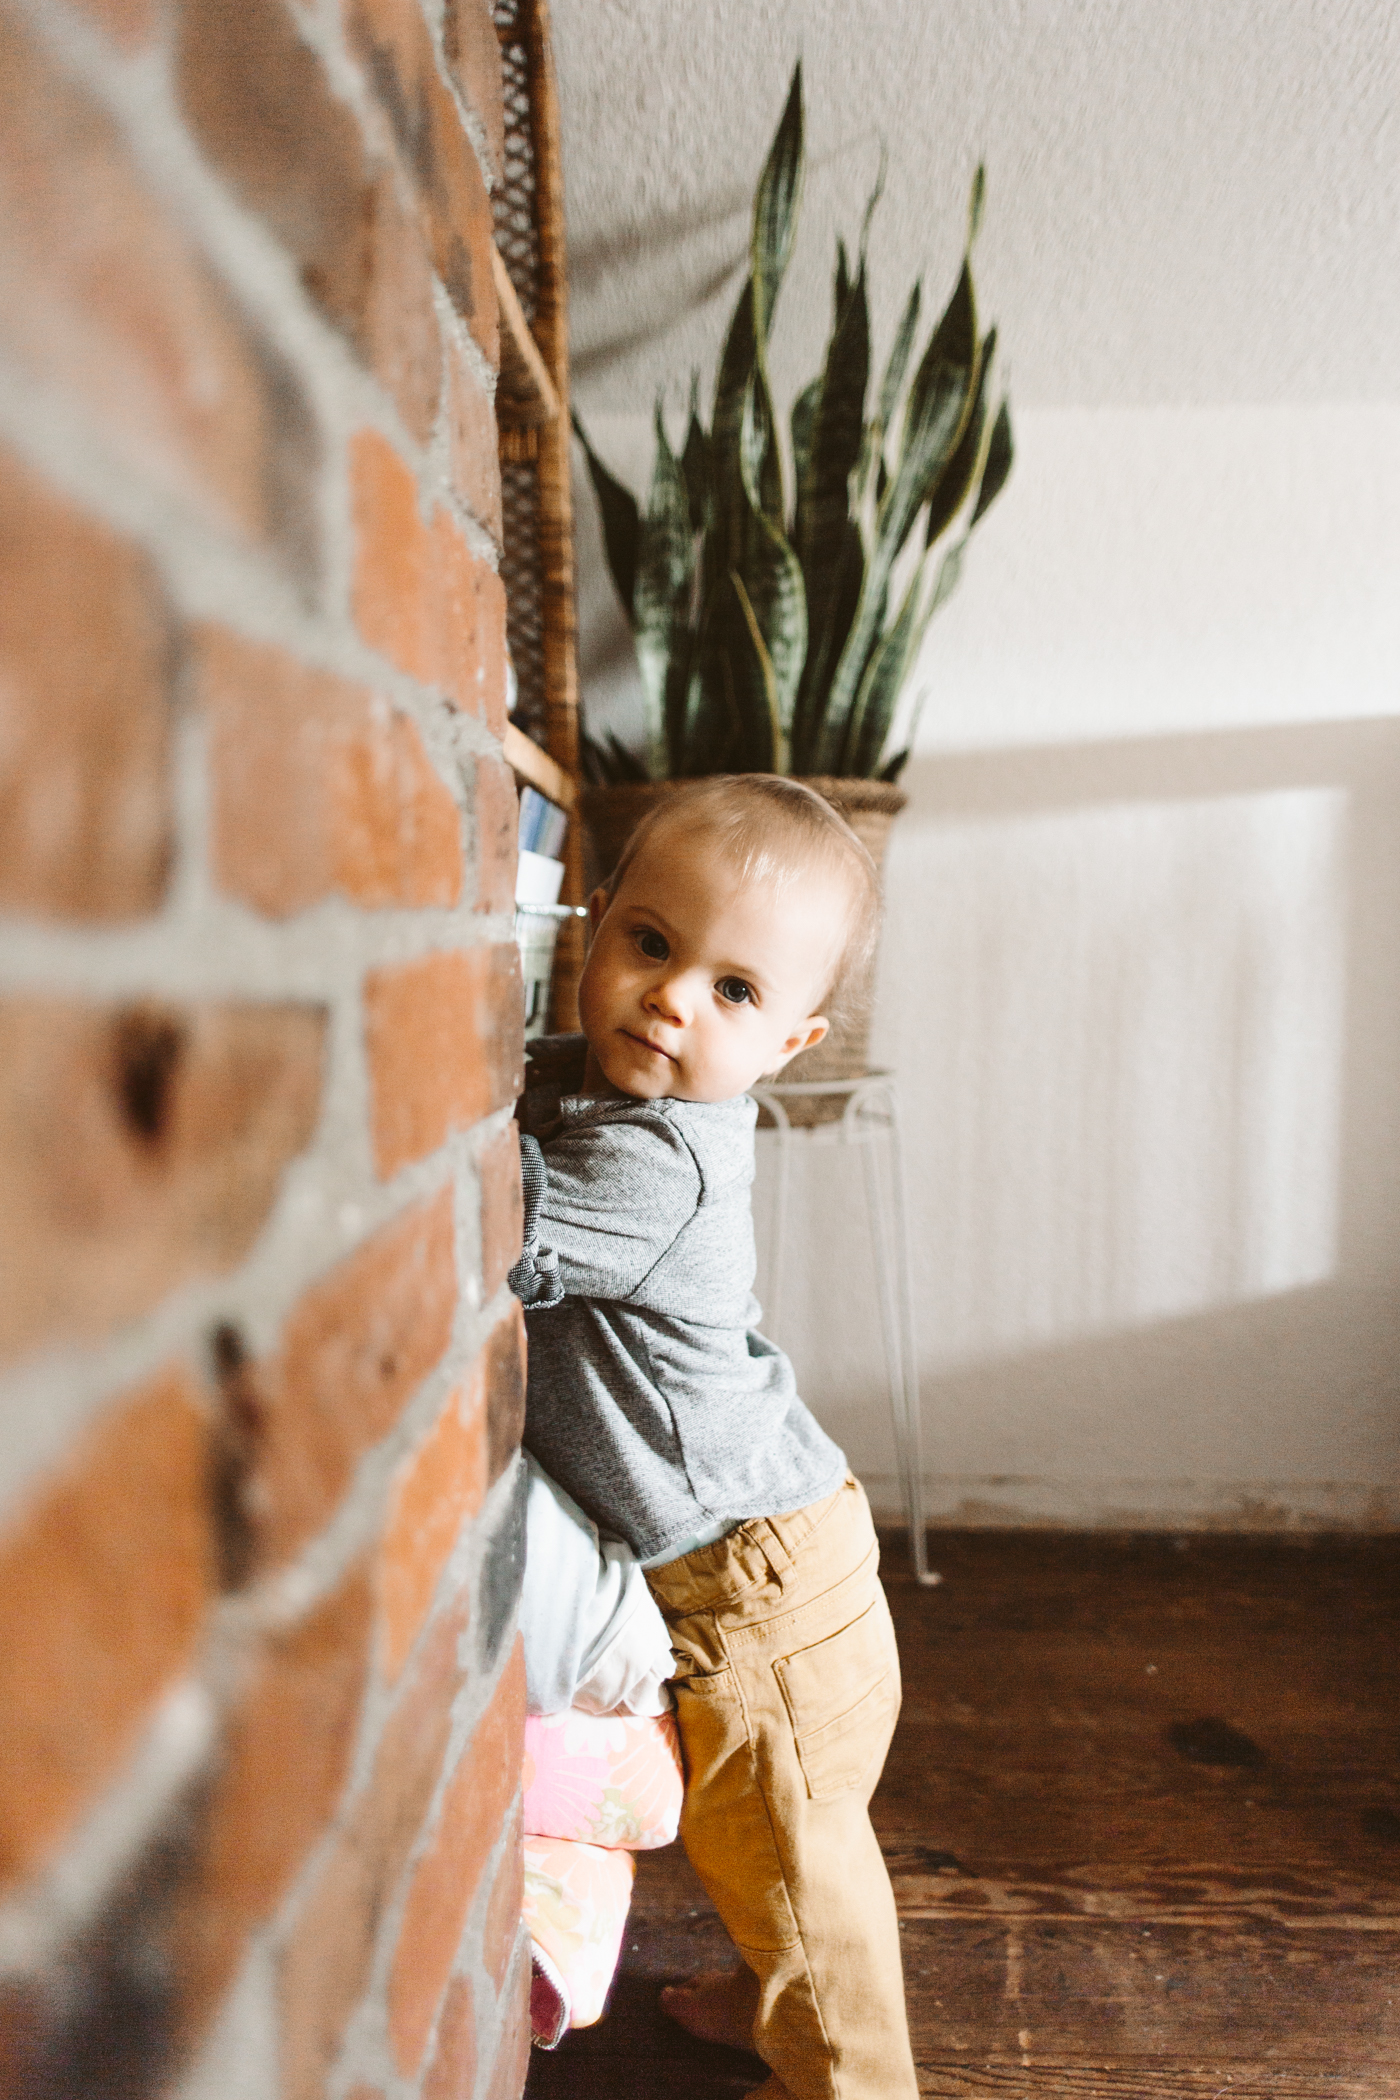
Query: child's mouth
x=642 y=1044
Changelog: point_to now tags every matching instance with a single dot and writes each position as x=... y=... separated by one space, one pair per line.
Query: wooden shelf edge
x=525 y=757
x=525 y=393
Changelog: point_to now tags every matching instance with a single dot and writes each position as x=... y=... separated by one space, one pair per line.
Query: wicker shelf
x=528 y=762
x=526 y=396
x=537 y=565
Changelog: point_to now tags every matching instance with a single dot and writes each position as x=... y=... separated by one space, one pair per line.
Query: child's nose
x=668 y=999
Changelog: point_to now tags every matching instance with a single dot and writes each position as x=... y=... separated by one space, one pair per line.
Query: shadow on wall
x=1143 y=999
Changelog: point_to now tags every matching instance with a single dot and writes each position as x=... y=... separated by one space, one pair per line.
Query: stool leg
x=913 y=1410
x=885 y=1200
x=777 y=1239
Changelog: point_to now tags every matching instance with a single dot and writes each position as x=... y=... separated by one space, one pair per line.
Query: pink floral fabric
x=576 y=1901
x=604 y=1779
x=597 y=1789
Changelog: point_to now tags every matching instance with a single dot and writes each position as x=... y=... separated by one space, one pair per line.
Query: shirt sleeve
x=616 y=1195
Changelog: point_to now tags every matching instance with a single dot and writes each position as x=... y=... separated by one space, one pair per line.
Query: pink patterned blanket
x=598 y=1788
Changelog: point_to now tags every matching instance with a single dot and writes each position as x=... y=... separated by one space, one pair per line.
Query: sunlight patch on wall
x=1121 y=1036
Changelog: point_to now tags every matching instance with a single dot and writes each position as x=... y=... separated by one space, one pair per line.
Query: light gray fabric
x=652 y=1398
x=592 y=1634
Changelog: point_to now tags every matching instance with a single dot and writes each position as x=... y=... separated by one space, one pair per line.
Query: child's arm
x=602 y=1205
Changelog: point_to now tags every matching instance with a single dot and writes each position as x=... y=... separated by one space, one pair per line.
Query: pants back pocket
x=842 y=1696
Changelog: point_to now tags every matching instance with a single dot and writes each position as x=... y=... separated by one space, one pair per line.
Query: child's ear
x=597 y=906
x=806 y=1037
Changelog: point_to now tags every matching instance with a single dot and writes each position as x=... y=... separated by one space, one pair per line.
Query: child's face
x=697 y=984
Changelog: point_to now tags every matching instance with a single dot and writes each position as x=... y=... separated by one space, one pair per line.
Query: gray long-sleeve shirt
x=652 y=1398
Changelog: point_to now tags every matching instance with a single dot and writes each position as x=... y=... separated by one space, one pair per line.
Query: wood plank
x=526 y=758
x=1207 y=1897
x=1145 y=2081
x=1078 y=1991
x=526 y=396
x=1087 y=1911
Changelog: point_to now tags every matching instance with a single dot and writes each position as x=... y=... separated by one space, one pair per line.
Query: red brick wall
x=260 y=1376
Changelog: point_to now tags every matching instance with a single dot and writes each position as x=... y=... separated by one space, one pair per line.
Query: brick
x=129 y=22
x=502 y=1210
x=108 y=302
x=473 y=54
x=501 y=1932
x=421 y=597
x=353 y=1353
x=451 y=2069
x=513 y=2044
x=473 y=444
x=281 y=1773
x=140 y=1147
x=497 y=834
x=257 y=97
x=104 y=1579
x=445 y=1047
x=318 y=785
x=504 y=1371
x=265 y=113
x=491 y=650
x=397 y=328
x=446 y=1877
x=438 y=1489
x=395 y=49
x=86 y=663
x=328 y=1954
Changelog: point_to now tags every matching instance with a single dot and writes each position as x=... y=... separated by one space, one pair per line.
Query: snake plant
x=775 y=637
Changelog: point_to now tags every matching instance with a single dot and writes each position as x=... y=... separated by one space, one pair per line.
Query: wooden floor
x=1142 y=1815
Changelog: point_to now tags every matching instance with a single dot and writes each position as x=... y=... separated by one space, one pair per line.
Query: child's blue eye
x=734 y=991
x=652 y=944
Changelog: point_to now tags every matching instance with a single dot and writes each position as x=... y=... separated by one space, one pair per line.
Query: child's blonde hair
x=773 y=830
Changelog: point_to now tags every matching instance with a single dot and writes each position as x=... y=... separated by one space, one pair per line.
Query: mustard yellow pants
x=786 y=1695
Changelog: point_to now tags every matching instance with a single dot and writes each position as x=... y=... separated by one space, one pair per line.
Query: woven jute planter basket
x=869 y=807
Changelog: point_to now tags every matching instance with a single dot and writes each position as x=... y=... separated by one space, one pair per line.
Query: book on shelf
x=542 y=824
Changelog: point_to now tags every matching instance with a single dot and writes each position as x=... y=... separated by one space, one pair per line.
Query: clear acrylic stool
x=870 y=1122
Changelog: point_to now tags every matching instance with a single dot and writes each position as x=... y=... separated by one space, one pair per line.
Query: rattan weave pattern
x=514 y=206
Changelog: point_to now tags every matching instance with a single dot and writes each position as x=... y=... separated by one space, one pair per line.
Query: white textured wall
x=1140 y=970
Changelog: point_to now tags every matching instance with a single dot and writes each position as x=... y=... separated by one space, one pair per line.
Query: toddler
x=737 y=909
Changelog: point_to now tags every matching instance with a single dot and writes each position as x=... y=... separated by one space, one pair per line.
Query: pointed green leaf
x=766 y=754
x=804 y=416
x=880 y=690
x=775 y=206
x=873 y=199
x=940 y=400
x=774 y=594
x=760 y=460
x=895 y=767
x=899 y=357
x=824 y=498
x=977 y=198
x=823 y=495
x=953 y=342
x=1000 y=455
x=695 y=461
x=837 y=614
x=956 y=482
x=728 y=503
x=621 y=524
x=666 y=557
x=843 y=280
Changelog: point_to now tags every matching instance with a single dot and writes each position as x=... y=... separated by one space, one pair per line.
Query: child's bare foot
x=716 y=2007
